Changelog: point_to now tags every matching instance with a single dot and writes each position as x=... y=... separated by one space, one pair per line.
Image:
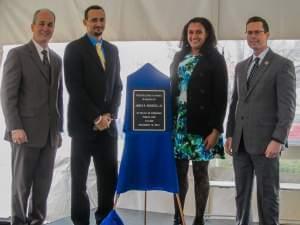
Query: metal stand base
x=145 y=207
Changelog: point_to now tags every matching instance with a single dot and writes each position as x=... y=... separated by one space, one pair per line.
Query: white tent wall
x=282 y=15
x=153 y=20
x=126 y=20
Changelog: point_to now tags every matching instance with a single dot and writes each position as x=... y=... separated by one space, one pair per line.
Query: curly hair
x=210 y=42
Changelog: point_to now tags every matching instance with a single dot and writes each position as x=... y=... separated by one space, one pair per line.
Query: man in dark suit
x=92 y=75
x=260 y=117
x=31 y=97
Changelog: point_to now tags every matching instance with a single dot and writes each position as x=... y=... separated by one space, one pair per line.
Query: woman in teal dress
x=199 y=92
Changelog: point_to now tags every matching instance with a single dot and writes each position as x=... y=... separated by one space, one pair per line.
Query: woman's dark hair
x=210 y=42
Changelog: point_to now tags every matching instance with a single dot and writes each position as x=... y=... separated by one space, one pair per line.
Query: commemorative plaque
x=149 y=110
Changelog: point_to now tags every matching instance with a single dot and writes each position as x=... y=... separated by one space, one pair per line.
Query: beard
x=98 y=33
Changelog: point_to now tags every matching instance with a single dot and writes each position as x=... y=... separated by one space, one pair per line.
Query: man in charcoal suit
x=31 y=97
x=260 y=117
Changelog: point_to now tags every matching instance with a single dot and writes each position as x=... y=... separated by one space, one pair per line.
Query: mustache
x=97 y=34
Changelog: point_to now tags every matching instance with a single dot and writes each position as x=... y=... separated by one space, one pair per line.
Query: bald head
x=41 y=10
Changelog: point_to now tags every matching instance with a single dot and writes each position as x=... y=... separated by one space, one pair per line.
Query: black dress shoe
x=99 y=221
x=198 y=221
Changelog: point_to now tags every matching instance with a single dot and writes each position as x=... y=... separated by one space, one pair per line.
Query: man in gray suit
x=31 y=97
x=260 y=117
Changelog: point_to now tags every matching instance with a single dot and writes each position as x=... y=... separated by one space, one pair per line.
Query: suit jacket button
x=242 y=117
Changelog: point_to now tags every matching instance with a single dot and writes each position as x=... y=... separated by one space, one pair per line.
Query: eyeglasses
x=255 y=32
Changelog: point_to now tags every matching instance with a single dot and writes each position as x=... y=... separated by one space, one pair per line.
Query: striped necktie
x=253 y=71
x=100 y=54
x=46 y=64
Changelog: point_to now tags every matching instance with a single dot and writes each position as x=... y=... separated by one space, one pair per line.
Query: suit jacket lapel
x=243 y=78
x=92 y=51
x=37 y=60
x=108 y=56
x=54 y=66
x=261 y=71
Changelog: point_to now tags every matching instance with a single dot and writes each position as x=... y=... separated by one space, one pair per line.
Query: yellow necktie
x=100 y=54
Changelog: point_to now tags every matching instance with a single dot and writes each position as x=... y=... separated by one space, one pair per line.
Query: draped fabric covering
x=148 y=161
x=112 y=219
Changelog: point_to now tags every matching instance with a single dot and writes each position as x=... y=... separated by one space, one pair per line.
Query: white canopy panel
x=282 y=15
x=156 y=20
x=127 y=20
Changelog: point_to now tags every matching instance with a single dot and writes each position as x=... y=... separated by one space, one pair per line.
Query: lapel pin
x=266 y=63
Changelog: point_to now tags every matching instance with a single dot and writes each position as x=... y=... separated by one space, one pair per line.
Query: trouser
x=266 y=171
x=32 y=170
x=103 y=149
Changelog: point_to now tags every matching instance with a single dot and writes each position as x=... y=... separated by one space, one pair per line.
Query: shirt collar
x=261 y=56
x=38 y=47
x=94 y=40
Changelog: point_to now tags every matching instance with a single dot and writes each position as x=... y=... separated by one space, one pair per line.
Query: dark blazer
x=29 y=100
x=265 y=110
x=206 y=93
x=93 y=90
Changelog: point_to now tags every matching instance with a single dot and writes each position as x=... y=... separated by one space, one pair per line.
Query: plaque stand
x=148 y=137
x=145 y=207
